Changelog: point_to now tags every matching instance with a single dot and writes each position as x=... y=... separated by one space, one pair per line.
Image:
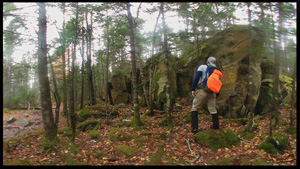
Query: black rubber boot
x=194 y=122
x=215 y=120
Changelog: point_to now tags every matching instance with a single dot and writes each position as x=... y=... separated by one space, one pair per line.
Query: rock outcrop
x=119 y=91
x=159 y=81
x=230 y=47
x=247 y=77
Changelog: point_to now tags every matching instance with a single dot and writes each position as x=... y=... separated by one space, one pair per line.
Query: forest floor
x=153 y=144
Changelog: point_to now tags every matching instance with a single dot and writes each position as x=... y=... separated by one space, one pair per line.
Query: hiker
x=202 y=94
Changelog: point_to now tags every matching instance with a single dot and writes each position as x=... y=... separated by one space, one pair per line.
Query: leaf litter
x=177 y=144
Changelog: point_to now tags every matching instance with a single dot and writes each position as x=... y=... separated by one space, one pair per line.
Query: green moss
x=224 y=161
x=261 y=163
x=155 y=158
x=16 y=161
x=188 y=117
x=275 y=144
x=141 y=141
x=115 y=135
x=112 y=136
x=70 y=161
x=128 y=151
x=163 y=136
x=11 y=143
x=291 y=130
x=84 y=114
x=47 y=145
x=216 y=139
x=124 y=137
x=88 y=125
x=282 y=142
x=97 y=111
x=146 y=133
x=136 y=123
x=98 y=154
x=268 y=147
x=74 y=148
x=66 y=132
x=94 y=134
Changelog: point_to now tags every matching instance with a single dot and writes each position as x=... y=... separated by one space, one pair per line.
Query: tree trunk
x=150 y=67
x=137 y=120
x=146 y=94
x=56 y=94
x=89 y=64
x=165 y=49
x=107 y=61
x=250 y=105
x=277 y=64
x=264 y=25
x=65 y=109
x=293 y=94
x=72 y=107
x=82 y=69
x=47 y=116
x=276 y=74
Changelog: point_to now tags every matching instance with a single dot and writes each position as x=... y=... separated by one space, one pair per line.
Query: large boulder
x=119 y=91
x=230 y=47
x=159 y=81
x=266 y=100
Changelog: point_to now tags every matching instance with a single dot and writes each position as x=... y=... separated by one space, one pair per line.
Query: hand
x=194 y=94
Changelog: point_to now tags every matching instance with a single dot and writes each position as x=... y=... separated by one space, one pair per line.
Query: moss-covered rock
x=231 y=49
x=128 y=151
x=88 y=125
x=117 y=134
x=155 y=158
x=268 y=147
x=216 y=139
x=66 y=132
x=266 y=100
x=119 y=92
x=159 y=78
x=97 y=111
x=94 y=134
x=48 y=146
x=275 y=144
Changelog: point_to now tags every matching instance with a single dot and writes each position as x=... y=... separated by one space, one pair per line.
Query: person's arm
x=196 y=80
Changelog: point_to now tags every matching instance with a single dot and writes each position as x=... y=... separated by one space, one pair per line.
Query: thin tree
x=137 y=120
x=89 y=28
x=294 y=75
x=55 y=93
x=165 y=49
x=46 y=107
x=151 y=102
x=250 y=85
x=139 y=51
x=107 y=58
x=82 y=68
x=65 y=107
x=277 y=61
x=72 y=106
